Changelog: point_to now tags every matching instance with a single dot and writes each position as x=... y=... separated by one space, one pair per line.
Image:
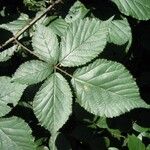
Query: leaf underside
x=106 y=88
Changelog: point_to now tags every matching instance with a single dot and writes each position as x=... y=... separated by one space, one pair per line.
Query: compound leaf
x=10 y=93
x=15 y=134
x=106 y=88
x=45 y=44
x=83 y=41
x=139 y=9
x=6 y=54
x=32 y=72
x=52 y=103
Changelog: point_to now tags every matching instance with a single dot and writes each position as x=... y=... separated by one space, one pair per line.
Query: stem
x=19 y=33
x=64 y=72
x=31 y=52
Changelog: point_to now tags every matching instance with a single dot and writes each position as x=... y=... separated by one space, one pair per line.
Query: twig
x=19 y=33
x=31 y=52
x=57 y=68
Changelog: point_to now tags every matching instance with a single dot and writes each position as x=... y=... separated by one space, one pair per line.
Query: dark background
x=137 y=61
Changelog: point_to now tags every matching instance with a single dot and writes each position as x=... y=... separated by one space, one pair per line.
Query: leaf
x=115 y=133
x=10 y=93
x=45 y=44
x=139 y=9
x=113 y=148
x=77 y=11
x=140 y=129
x=52 y=103
x=134 y=143
x=32 y=72
x=83 y=41
x=16 y=25
x=59 y=142
x=59 y=26
x=102 y=123
x=148 y=147
x=6 y=54
x=15 y=134
x=119 y=32
x=106 y=88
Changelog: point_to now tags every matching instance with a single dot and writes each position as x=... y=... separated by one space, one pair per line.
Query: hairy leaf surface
x=15 y=134
x=7 y=54
x=139 y=9
x=52 y=103
x=32 y=72
x=106 y=88
x=45 y=44
x=10 y=93
x=83 y=41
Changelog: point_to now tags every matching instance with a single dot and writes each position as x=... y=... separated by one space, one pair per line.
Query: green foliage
x=52 y=103
x=109 y=85
x=10 y=93
x=82 y=42
x=15 y=134
x=93 y=89
x=139 y=9
x=45 y=44
x=135 y=143
x=16 y=25
x=32 y=72
x=7 y=54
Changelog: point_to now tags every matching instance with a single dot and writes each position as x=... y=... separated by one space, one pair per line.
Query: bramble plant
x=64 y=61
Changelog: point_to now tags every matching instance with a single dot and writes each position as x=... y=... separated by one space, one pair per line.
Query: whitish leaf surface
x=134 y=143
x=15 y=134
x=119 y=32
x=32 y=72
x=52 y=103
x=59 y=26
x=106 y=88
x=77 y=11
x=10 y=93
x=139 y=9
x=140 y=129
x=82 y=42
x=113 y=148
x=45 y=44
x=7 y=54
x=16 y=25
